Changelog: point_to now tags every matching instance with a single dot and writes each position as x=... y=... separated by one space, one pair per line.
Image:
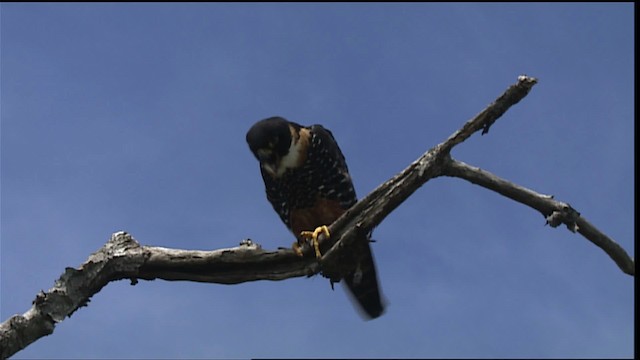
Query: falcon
x=308 y=184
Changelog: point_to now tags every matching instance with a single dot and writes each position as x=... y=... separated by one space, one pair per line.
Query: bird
x=308 y=184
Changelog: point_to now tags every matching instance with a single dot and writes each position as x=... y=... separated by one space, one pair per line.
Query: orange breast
x=324 y=212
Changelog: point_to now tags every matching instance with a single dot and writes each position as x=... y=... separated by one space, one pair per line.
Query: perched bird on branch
x=308 y=184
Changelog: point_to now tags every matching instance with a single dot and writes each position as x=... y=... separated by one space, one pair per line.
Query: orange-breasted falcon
x=309 y=186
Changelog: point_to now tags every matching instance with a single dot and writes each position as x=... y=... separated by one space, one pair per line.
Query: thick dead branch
x=248 y=262
x=123 y=258
x=372 y=209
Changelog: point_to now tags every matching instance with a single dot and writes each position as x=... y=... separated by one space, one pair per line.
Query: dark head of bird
x=269 y=141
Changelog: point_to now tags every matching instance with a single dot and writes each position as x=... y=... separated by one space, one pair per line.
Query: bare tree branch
x=555 y=212
x=372 y=209
x=124 y=258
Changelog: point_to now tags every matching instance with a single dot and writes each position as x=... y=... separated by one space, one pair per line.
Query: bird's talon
x=296 y=249
x=316 y=247
x=313 y=235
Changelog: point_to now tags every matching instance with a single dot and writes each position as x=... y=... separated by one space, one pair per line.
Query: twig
x=555 y=212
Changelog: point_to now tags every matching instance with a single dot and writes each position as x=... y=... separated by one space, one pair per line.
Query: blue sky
x=133 y=116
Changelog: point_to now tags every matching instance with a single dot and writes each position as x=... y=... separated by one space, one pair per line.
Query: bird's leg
x=313 y=235
x=296 y=248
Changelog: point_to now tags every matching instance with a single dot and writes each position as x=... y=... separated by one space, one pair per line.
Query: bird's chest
x=309 y=199
x=302 y=187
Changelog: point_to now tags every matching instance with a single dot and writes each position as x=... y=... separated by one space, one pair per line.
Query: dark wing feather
x=336 y=182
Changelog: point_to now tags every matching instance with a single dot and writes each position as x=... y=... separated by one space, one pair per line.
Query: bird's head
x=270 y=140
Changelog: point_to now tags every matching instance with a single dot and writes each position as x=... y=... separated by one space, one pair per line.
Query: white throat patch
x=290 y=160
x=297 y=154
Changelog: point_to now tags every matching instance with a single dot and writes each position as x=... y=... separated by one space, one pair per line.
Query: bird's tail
x=362 y=283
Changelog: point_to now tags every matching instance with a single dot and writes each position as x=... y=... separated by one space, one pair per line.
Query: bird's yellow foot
x=313 y=235
x=296 y=249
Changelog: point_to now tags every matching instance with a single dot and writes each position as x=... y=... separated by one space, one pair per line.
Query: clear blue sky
x=133 y=116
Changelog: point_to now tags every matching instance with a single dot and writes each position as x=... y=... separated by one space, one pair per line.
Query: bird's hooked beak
x=270 y=169
x=268 y=160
